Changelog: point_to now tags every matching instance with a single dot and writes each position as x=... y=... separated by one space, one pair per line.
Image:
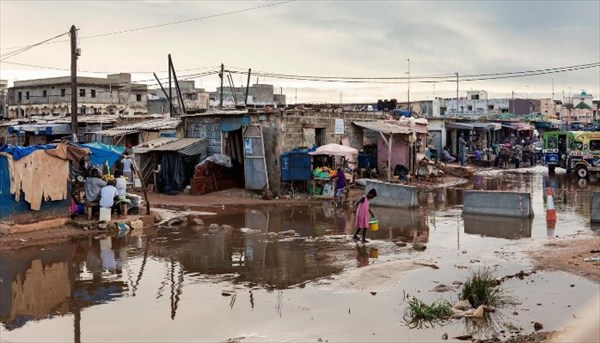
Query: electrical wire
x=112 y=33
x=29 y=47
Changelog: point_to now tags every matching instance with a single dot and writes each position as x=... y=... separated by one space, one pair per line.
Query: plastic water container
x=137 y=183
x=374 y=225
x=105 y=214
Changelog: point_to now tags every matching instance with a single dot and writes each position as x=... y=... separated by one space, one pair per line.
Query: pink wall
x=399 y=152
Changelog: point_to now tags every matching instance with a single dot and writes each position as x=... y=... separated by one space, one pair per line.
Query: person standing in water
x=362 y=212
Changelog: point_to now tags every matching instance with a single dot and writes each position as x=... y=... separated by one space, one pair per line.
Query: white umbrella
x=334 y=150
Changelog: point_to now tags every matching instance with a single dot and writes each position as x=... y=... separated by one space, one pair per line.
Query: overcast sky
x=322 y=38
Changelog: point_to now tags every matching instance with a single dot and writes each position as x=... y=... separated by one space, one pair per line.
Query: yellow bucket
x=373 y=253
x=374 y=225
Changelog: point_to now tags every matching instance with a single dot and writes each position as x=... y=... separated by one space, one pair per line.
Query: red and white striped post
x=550 y=212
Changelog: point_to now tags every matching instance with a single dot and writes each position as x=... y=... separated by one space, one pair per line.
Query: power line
x=143 y=28
x=427 y=79
x=366 y=80
x=29 y=47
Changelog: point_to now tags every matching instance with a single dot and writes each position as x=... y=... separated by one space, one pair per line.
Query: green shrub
x=481 y=289
x=419 y=311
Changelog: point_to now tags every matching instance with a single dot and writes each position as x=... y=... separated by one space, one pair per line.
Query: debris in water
x=419 y=246
x=464 y=337
x=592 y=259
x=430 y=265
x=462 y=305
x=227 y=293
x=442 y=288
x=445 y=336
x=537 y=326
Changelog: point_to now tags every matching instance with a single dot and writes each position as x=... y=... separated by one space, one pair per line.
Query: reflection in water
x=363 y=256
x=499 y=227
x=34 y=284
x=400 y=225
x=69 y=277
x=271 y=248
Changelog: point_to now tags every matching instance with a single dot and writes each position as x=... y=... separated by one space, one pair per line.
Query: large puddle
x=291 y=273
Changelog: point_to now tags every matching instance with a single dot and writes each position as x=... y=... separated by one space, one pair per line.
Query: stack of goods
x=324 y=173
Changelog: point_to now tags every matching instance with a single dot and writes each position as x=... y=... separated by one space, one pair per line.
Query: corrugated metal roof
x=114 y=133
x=218 y=113
x=157 y=124
x=153 y=144
x=383 y=127
x=185 y=146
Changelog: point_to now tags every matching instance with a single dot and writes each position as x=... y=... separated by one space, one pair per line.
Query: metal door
x=255 y=166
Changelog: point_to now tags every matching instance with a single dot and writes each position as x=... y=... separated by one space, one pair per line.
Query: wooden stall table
x=322 y=181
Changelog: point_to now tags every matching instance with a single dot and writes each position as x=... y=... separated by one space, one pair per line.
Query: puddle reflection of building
x=59 y=279
x=409 y=225
x=35 y=284
x=499 y=227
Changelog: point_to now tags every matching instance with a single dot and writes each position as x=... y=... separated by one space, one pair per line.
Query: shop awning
x=383 y=127
x=473 y=126
x=518 y=126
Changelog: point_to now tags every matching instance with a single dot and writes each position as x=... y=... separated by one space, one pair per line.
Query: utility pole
x=553 y=102
x=221 y=95
x=171 y=108
x=456 y=93
x=247 y=86
x=512 y=102
x=408 y=91
x=74 y=54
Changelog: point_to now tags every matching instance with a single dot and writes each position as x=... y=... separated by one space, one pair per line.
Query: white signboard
x=339 y=126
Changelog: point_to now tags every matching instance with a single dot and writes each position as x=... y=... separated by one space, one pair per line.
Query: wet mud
x=292 y=273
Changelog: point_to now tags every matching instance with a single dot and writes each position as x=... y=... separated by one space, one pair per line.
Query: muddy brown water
x=246 y=282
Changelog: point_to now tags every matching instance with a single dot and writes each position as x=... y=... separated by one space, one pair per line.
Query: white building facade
x=115 y=94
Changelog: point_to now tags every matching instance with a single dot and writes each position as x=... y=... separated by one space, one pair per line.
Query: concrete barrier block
x=494 y=203
x=393 y=195
x=596 y=207
x=492 y=226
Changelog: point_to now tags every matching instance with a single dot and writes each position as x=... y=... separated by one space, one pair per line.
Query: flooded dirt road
x=292 y=273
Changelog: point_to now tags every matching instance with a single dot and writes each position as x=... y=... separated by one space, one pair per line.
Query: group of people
x=108 y=193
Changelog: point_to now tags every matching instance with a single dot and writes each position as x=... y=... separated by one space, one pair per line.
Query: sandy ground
x=568 y=254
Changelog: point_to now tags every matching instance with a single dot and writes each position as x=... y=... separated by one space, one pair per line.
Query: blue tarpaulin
x=102 y=152
x=19 y=152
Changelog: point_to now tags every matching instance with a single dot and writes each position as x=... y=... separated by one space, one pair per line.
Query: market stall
x=325 y=172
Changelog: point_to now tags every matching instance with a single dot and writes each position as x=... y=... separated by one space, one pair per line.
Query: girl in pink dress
x=362 y=214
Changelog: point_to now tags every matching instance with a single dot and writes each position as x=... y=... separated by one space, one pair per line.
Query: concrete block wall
x=393 y=195
x=495 y=203
x=287 y=132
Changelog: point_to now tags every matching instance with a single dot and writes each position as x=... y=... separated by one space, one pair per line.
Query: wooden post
x=390 y=142
x=139 y=174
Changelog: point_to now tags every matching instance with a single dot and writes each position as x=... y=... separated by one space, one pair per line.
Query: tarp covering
x=102 y=152
x=40 y=177
x=232 y=124
x=334 y=150
x=18 y=152
x=473 y=126
x=176 y=171
x=69 y=152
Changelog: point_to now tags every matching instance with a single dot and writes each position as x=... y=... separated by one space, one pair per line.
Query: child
x=362 y=220
x=340 y=186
